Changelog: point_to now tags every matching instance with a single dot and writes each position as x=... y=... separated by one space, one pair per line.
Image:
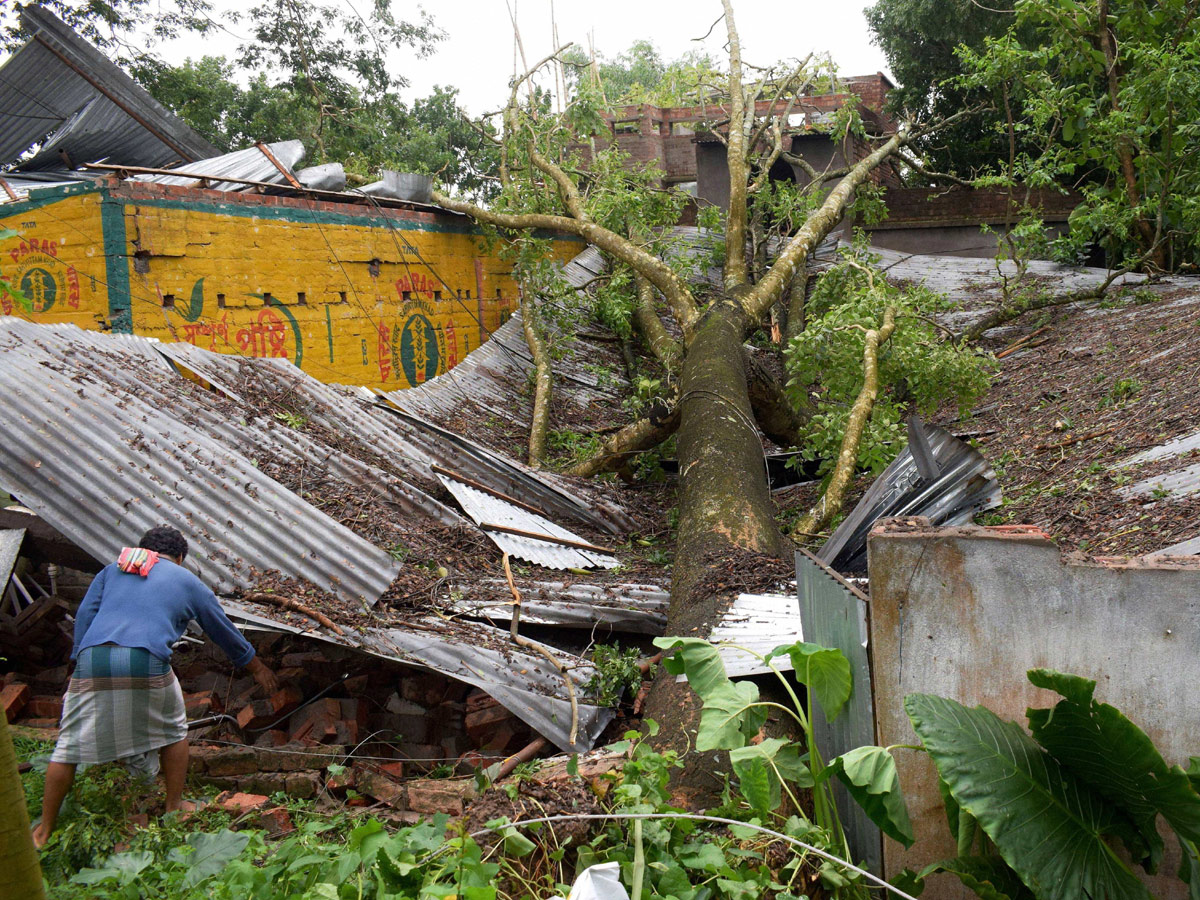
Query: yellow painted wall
x=351 y=294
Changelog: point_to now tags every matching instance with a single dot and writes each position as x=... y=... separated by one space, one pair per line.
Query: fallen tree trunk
x=725 y=509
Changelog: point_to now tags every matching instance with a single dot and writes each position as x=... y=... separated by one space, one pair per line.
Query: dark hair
x=165 y=540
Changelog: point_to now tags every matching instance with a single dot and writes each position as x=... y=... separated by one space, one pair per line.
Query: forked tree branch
x=822 y=221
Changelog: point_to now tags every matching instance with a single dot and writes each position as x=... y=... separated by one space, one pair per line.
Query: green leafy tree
x=640 y=75
x=120 y=27
x=715 y=397
x=1105 y=97
x=920 y=39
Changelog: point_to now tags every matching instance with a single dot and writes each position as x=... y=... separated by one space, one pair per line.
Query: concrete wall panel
x=965 y=612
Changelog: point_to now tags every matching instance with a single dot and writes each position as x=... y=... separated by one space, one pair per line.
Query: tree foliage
x=919 y=369
x=641 y=75
x=920 y=39
x=1106 y=99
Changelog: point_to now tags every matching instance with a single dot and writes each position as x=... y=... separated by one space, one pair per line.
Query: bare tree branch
x=736 y=272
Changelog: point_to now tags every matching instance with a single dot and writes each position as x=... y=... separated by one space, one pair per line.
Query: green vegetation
x=918 y=368
x=1039 y=816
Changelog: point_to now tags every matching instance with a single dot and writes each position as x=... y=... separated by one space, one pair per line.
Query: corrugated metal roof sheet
x=59 y=81
x=250 y=164
x=10 y=547
x=486 y=510
x=640 y=608
x=758 y=623
x=964 y=485
x=100 y=464
x=483 y=657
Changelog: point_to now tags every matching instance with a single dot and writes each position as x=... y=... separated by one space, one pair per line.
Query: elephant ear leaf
x=1117 y=760
x=730 y=714
x=1047 y=826
x=988 y=876
x=869 y=774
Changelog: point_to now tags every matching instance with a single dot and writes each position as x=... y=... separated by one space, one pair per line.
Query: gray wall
x=964 y=612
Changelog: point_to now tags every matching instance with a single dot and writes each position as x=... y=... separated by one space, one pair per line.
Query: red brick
x=380 y=786
x=258 y=714
x=439 y=795
x=482 y=724
x=276 y=822
x=393 y=769
x=13 y=698
x=228 y=761
x=45 y=707
x=303 y=784
x=339 y=784
x=40 y=723
x=286 y=699
x=239 y=803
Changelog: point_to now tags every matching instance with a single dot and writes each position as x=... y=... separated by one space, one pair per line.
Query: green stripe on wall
x=116 y=264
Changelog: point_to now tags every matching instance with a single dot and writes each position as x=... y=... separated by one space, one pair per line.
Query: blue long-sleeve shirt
x=151 y=612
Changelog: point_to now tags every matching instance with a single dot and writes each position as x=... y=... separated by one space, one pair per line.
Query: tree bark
x=20 y=874
x=725 y=506
x=543 y=381
x=831 y=502
x=637 y=437
x=1124 y=146
x=665 y=348
x=773 y=411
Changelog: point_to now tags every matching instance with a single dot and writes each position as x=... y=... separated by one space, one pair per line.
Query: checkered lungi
x=121 y=702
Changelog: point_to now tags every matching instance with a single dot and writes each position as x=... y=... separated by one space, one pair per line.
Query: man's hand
x=265 y=677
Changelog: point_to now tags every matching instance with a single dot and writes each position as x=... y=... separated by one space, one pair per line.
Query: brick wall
x=941 y=207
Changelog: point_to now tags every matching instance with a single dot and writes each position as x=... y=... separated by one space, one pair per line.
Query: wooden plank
x=835 y=615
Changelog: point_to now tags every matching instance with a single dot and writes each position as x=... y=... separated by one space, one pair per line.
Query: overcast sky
x=477 y=54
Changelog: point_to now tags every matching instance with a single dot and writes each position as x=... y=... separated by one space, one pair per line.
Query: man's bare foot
x=41 y=834
x=182 y=806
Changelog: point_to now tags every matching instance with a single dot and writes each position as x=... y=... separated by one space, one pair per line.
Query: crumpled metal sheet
x=523 y=682
x=325 y=177
x=965 y=485
x=250 y=164
x=639 y=608
x=59 y=90
x=758 y=623
x=486 y=510
x=102 y=465
x=139 y=365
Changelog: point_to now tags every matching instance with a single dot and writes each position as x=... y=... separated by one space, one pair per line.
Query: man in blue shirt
x=123 y=701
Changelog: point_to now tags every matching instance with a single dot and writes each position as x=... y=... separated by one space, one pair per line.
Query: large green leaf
x=988 y=876
x=211 y=853
x=729 y=715
x=1115 y=758
x=763 y=767
x=1046 y=825
x=869 y=774
x=823 y=670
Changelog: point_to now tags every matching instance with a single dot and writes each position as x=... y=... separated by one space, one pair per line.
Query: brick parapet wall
x=941 y=207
